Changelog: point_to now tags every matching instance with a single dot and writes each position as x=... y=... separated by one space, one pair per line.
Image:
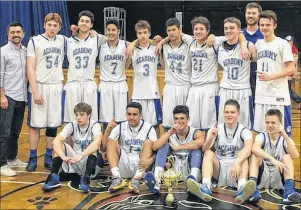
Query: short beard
x=253 y=24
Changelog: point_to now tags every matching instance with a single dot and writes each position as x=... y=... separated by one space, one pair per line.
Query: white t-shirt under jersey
x=271 y=57
x=112 y=62
x=82 y=137
x=132 y=139
x=145 y=64
x=276 y=149
x=229 y=142
x=49 y=54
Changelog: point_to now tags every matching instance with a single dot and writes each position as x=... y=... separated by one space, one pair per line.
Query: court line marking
x=18 y=182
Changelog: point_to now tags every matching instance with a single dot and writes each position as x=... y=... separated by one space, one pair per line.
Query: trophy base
x=173 y=205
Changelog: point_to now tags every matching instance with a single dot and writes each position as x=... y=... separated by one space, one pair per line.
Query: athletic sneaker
x=16 y=163
x=255 y=197
x=134 y=185
x=199 y=190
x=152 y=184
x=245 y=192
x=189 y=177
x=48 y=161
x=117 y=183
x=84 y=184
x=32 y=164
x=290 y=195
x=51 y=182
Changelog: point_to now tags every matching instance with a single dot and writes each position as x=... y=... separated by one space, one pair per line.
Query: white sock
x=158 y=170
x=196 y=173
x=241 y=183
x=139 y=173
x=207 y=182
x=115 y=172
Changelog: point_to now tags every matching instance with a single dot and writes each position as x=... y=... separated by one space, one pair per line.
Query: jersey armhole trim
x=264 y=140
x=72 y=129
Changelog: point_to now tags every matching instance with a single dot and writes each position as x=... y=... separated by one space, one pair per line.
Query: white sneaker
x=7 y=171
x=16 y=163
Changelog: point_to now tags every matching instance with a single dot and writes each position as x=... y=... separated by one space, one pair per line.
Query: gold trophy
x=169 y=179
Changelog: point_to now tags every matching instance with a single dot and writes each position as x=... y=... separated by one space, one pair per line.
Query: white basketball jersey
x=177 y=64
x=145 y=64
x=175 y=141
x=82 y=55
x=236 y=71
x=276 y=150
x=132 y=141
x=271 y=57
x=82 y=138
x=112 y=62
x=228 y=147
x=49 y=55
x=204 y=64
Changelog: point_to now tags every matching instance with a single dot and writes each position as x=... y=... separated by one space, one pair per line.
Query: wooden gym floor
x=24 y=190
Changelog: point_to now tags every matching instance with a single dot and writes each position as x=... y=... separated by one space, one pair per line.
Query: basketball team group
x=207 y=124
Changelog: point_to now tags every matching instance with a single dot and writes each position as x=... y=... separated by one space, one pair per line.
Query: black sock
x=253 y=178
x=56 y=165
x=91 y=163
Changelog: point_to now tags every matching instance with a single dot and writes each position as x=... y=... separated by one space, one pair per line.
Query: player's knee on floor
x=51 y=132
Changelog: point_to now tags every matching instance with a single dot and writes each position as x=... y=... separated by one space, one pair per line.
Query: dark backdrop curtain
x=31 y=14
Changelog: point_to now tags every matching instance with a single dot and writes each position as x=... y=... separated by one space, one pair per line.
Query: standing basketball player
x=129 y=149
x=275 y=62
x=183 y=143
x=176 y=62
x=229 y=164
x=145 y=86
x=113 y=87
x=235 y=83
x=82 y=52
x=271 y=163
x=81 y=158
x=45 y=54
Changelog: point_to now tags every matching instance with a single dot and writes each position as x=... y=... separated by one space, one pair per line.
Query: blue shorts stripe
x=251 y=111
x=287 y=120
x=158 y=111
x=217 y=99
x=63 y=105
x=29 y=98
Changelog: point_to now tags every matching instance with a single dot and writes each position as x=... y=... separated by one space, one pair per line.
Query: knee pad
x=51 y=132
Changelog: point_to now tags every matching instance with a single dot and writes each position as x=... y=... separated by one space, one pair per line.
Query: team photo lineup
x=235 y=132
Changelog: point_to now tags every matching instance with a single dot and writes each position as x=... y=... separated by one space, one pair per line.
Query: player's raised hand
x=93 y=33
x=37 y=98
x=129 y=50
x=75 y=159
x=245 y=53
x=74 y=29
x=213 y=130
x=157 y=39
x=112 y=124
x=280 y=129
x=159 y=48
x=174 y=129
x=210 y=40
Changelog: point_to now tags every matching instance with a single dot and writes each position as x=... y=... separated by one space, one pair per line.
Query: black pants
x=293 y=95
x=11 y=120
